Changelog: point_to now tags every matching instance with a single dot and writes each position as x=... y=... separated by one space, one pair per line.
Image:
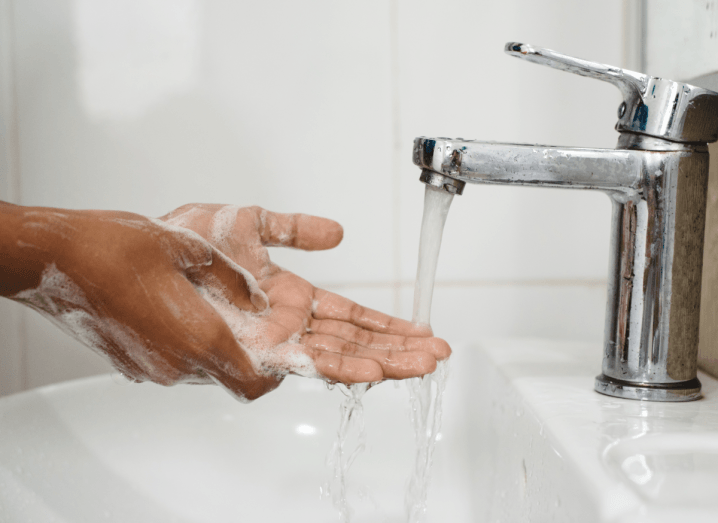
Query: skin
x=159 y=297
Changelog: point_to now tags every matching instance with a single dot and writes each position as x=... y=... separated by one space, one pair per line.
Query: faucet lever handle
x=653 y=106
x=628 y=82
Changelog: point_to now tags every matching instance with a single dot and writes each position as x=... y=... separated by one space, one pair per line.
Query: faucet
x=657 y=179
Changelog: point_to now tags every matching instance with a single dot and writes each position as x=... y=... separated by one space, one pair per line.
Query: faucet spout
x=533 y=165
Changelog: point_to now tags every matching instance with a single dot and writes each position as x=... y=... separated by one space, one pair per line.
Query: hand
x=307 y=331
x=164 y=303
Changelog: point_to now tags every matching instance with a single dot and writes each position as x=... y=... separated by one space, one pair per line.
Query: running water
x=426 y=393
x=339 y=459
x=436 y=208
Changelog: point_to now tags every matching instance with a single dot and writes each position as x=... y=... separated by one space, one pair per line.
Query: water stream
x=340 y=458
x=436 y=208
x=425 y=393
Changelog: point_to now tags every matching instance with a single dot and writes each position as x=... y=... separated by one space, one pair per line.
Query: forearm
x=21 y=262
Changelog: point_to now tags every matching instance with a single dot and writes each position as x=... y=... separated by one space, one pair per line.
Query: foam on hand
x=222 y=226
x=249 y=330
x=60 y=300
x=282 y=235
x=185 y=218
x=247 y=327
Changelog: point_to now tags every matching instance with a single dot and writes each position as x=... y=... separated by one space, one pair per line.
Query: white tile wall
x=312 y=106
x=681 y=40
x=474 y=90
x=468 y=312
x=12 y=354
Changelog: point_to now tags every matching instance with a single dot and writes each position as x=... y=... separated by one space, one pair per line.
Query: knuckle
x=356 y=311
x=365 y=337
x=350 y=349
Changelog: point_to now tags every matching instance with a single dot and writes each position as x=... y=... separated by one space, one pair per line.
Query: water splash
x=340 y=459
x=426 y=396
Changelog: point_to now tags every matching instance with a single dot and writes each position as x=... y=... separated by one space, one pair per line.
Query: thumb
x=209 y=268
x=301 y=231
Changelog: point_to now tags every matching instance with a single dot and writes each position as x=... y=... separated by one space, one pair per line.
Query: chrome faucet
x=657 y=180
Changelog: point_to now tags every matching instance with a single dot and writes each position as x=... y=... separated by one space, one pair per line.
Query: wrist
x=24 y=248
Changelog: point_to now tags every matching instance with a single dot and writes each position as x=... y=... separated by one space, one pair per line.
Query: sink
x=524 y=437
x=670 y=470
x=562 y=452
x=101 y=449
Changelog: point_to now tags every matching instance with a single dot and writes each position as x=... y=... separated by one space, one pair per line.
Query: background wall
x=312 y=106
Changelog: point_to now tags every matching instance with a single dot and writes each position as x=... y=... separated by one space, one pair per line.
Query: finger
x=301 y=231
x=225 y=278
x=395 y=364
x=374 y=340
x=307 y=361
x=330 y=306
x=344 y=369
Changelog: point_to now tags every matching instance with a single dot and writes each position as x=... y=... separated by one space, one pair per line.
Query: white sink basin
x=525 y=438
x=101 y=450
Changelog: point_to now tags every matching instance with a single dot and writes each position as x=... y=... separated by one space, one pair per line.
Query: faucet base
x=682 y=391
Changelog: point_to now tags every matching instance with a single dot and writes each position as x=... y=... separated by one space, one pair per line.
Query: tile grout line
x=395 y=154
x=403 y=284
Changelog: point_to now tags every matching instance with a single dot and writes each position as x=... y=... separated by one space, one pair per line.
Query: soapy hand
x=306 y=330
x=194 y=298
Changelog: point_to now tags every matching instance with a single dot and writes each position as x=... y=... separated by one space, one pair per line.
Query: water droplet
x=120 y=378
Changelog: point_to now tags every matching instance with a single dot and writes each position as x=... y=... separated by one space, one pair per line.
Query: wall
x=681 y=38
x=12 y=348
x=312 y=106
